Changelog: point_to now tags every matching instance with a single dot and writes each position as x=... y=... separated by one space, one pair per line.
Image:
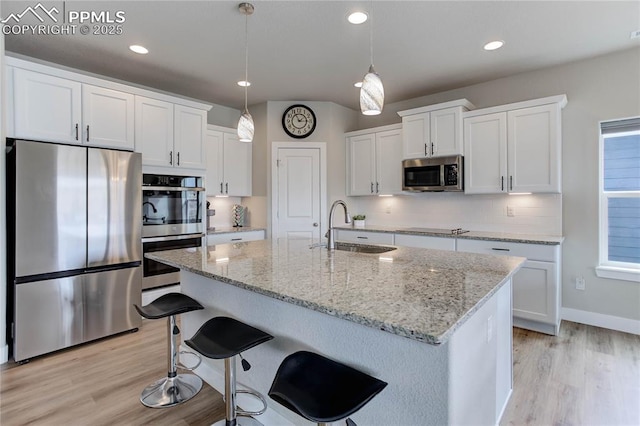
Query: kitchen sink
x=363 y=248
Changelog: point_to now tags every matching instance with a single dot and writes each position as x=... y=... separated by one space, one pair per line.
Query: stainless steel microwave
x=433 y=174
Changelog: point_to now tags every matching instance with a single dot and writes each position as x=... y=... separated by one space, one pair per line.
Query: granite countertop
x=233 y=230
x=420 y=294
x=472 y=235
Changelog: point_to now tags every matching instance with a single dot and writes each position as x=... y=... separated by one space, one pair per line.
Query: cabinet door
x=213 y=148
x=534 y=149
x=485 y=150
x=237 y=166
x=107 y=118
x=190 y=126
x=388 y=162
x=364 y=237
x=46 y=108
x=415 y=136
x=361 y=165
x=154 y=131
x=534 y=292
x=446 y=132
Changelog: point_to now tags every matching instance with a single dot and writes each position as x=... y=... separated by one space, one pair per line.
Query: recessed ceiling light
x=243 y=83
x=358 y=84
x=358 y=18
x=493 y=45
x=139 y=49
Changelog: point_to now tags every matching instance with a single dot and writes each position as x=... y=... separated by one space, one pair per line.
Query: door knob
x=315 y=224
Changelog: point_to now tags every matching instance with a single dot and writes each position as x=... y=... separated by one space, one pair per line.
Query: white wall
x=601 y=88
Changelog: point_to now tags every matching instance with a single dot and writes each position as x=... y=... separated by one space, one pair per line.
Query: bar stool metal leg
x=175 y=388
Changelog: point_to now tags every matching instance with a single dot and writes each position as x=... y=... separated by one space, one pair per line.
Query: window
x=620 y=199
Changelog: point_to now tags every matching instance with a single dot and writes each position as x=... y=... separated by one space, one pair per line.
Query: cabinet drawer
x=530 y=251
x=422 y=241
x=364 y=237
x=214 y=239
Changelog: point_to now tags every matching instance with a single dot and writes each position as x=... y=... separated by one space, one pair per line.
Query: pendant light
x=372 y=91
x=245 y=124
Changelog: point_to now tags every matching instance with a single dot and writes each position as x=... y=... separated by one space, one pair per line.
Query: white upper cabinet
x=189 y=128
x=53 y=105
x=54 y=109
x=515 y=148
x=107 y=117
x=46 y=108
x=374 y=161
x=433 y=131
x=154 y=131
x=228 y=163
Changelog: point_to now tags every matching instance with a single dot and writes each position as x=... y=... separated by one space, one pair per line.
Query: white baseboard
x=215 y=379
x=4 y=354
x=601 y=320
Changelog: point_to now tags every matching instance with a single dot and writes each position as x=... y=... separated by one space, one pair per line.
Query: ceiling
x=307 y=51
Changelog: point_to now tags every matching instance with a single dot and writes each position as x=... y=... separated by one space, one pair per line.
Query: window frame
x=606 y=268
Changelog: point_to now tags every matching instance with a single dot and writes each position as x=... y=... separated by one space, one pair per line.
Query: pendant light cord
x=246 y=58
x=371 y=33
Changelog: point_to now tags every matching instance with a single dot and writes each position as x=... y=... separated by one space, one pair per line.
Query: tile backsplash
x=522 y=214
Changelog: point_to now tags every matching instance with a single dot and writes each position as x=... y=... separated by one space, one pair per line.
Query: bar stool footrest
x=256 y=395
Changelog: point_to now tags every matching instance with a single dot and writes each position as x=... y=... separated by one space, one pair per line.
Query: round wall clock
x=298 y=121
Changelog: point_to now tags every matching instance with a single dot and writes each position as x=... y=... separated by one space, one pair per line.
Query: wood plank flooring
x=584 y=376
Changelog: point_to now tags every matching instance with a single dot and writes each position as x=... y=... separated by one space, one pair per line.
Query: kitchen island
x=435 y=325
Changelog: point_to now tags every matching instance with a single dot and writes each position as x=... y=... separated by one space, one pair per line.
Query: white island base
x=465 y=381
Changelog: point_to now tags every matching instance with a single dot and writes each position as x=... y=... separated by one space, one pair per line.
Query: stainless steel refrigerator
x=73 y=245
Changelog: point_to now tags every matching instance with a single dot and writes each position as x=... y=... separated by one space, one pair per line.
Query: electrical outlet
x=580 y=283
x=511 y=211
x=387 y=209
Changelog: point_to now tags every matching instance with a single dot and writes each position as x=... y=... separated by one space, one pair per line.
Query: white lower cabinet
x=234 y=237
x=364 y=237
x=425 y=241
x=536 y=286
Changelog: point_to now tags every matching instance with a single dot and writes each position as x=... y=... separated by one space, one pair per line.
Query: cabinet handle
x=432 y=149
x=372 y=187
x=226 y=188
x=178 y=158
x=501 y=183
x=425 y=150
x=499 y=249
x=87 y=133
x=171 y=158
x=363 y=238
x=511 y=183
x=221 y=191
x=76 y=131
x=236 y=239
x=377 y=187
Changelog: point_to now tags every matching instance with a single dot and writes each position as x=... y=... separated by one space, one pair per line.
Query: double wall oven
x=171 y=219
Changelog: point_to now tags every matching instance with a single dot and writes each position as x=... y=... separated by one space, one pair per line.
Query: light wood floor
x=584 y=376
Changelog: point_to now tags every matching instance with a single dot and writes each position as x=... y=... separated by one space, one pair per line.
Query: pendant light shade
x=371 y=93
x=245 y=123
x=245 y=127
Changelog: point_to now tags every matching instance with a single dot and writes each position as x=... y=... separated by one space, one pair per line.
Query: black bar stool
x=320 y=389
x=175 y=388
x=224 y=338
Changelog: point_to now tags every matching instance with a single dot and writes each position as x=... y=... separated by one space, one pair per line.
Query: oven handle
x=171 y=238
x=173 y=188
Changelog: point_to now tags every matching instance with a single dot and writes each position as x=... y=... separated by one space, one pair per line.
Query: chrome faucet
x=152 y=206
x=331 y=245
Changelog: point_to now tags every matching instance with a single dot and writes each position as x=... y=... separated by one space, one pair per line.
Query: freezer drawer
x=58 y=313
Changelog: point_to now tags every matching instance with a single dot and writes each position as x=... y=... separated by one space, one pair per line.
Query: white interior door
x=299 y=193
